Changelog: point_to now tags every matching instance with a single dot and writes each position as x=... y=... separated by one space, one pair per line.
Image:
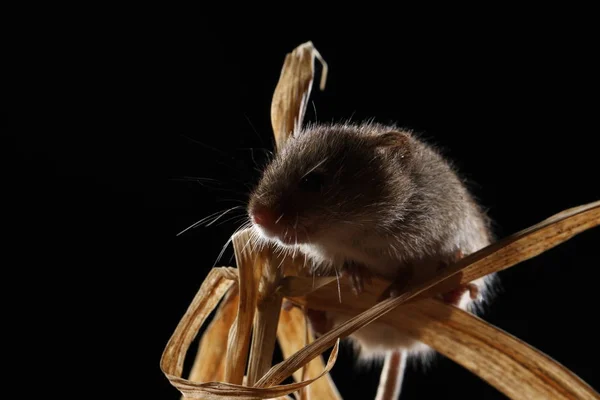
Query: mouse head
x=329 y=182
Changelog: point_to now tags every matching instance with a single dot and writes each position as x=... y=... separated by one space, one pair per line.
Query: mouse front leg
x=403 y=278
x=454 y=296
x=358 y=275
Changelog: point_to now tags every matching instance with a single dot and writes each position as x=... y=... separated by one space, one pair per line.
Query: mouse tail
x=392 y=375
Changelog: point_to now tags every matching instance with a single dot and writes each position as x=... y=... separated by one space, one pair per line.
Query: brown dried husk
x=254 y=291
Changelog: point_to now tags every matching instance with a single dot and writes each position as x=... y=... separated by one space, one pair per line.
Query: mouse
x=370 y=199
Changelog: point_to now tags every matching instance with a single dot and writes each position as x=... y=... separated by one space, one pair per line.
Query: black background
x=119 y=115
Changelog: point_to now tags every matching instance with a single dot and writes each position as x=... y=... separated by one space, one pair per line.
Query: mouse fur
x=375 y=195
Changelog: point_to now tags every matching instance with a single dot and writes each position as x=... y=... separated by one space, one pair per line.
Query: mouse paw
x=400 y=283
x=453 y=297
x=358 y=275
x=456 y=257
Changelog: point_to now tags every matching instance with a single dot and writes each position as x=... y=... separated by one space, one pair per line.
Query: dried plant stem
x=499 y=358
x=505 y=362
x=265 y=321
x=216 y=284
x=291 y=333
x=520 y=246
x=239 y=336
x=392 y=375
x=209 y=364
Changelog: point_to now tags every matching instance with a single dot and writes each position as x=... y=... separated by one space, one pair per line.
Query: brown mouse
x=371 y=199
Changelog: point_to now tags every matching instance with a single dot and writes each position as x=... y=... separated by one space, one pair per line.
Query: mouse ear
x=396 y=140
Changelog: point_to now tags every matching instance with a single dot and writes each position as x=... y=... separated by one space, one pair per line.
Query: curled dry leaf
x=293 y=286
x=214 y=287
x=291 y=333
x=216 y=284
x=293 y=91
x=209 y=364
x=249 y=269
x=220 y=390
x=265 y=322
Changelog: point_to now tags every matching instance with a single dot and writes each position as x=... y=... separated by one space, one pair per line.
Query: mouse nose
x=263 y=216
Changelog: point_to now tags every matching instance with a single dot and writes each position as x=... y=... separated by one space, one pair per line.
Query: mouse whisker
x=315 y=167
x=247 y=224
x=281 y=263
x=225 y=212
x=337 y=278
x=279 y=219
x=202 y=220
x=249 y=242
x=237 y=218
x=241 y=227
x=242 y=202
x=222 y=251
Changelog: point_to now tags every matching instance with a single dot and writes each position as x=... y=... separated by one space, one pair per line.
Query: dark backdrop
x=138 y=131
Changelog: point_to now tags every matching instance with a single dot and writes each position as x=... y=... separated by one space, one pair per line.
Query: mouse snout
x=273 y=224
x=264 y=217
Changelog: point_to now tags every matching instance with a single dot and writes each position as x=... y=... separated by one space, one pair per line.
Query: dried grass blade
x=248 y=263
x=507 y=363
x=209 y=364
x=266 y=318
x=291 y=95
x=525 y=244
x=291 y=334
x=293 y=286
x=520 y=246
x=220 y=391
x=216 y=284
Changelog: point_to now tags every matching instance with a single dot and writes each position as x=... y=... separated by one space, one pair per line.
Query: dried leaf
x=506 y=253
x=220 y=390
x=265 y=321
x=217 y=282
x=520 y=246
x=293 y=286
x=209 y=364
x=249 y=268
x=507 y=363
x=293 y=91
x=292 y=335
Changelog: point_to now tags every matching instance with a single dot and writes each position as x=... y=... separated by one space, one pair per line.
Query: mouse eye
x=312 y=182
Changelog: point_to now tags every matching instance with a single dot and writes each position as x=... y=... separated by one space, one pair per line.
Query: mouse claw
x=456 y=257
x=453 y=297
x=358 y=275
x=397 y=287
x=473 y=291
